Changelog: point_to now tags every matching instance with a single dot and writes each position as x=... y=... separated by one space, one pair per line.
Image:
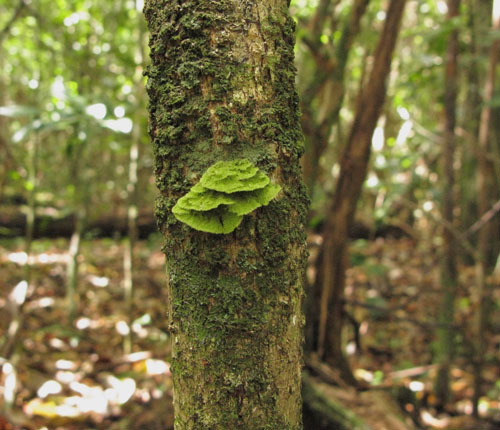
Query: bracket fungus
x=227 y=191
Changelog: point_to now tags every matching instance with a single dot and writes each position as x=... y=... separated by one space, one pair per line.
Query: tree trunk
x=477 y=21
x=354 y=164
x=484 y=187
x=132 y=187
x=328 y=79
x=72 y=268
x=221 y=87
x=449 y=266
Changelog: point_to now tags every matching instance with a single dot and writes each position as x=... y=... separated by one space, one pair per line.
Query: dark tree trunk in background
x=448 y=265
x=353 y=168
x=478 y=19
x=221 y=87
x=485 y=187
x=328 y=77
x=329 y=81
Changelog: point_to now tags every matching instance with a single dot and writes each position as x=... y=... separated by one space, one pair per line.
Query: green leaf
x=15 y=111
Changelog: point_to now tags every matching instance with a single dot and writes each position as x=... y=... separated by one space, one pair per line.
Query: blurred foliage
x=71 y=74
x=70 y=70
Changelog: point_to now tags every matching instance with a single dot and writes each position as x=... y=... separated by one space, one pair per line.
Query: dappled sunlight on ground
x=78 y=375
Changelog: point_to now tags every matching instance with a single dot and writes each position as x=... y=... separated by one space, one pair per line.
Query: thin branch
x=461 y=238
x=389 y=311
x=17 y=13
x=485 y=219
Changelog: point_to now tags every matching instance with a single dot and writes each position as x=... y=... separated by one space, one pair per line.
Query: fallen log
x=50 y=224
x=322 y=411
x=327 y=406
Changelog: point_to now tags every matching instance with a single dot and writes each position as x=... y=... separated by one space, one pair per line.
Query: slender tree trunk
x=329 y=79
x=484 y=184
x=467 y=198
x=130 y=241
x=449 y=266
x=132 y=210
x=73 y=264
x=8 y=159
x=18 y=296
x=221 y=87
x=317 y=131
x=5 y=152
x=81 y=198
x=32 y=190
x=353 y=168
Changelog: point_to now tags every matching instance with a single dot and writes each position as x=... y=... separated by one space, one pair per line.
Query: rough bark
x=221 y=87
x=340 y=215
x=449 y=265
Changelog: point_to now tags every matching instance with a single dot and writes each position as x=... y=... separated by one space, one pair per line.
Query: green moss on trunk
x=221 y=87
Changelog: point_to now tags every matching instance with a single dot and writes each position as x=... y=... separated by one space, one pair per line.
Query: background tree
x=326 y=86
x=486 y=187
x=353 y=168
x=446 y=332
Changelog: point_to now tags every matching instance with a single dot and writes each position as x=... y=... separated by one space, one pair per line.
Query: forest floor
x=85 y=376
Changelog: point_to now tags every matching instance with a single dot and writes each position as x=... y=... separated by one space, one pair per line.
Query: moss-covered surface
x=324 y=412
x=221 y=87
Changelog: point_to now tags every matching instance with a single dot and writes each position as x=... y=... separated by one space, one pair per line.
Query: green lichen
x=227 y=191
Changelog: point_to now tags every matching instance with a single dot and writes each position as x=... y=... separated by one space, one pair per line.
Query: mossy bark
x=221 y=87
